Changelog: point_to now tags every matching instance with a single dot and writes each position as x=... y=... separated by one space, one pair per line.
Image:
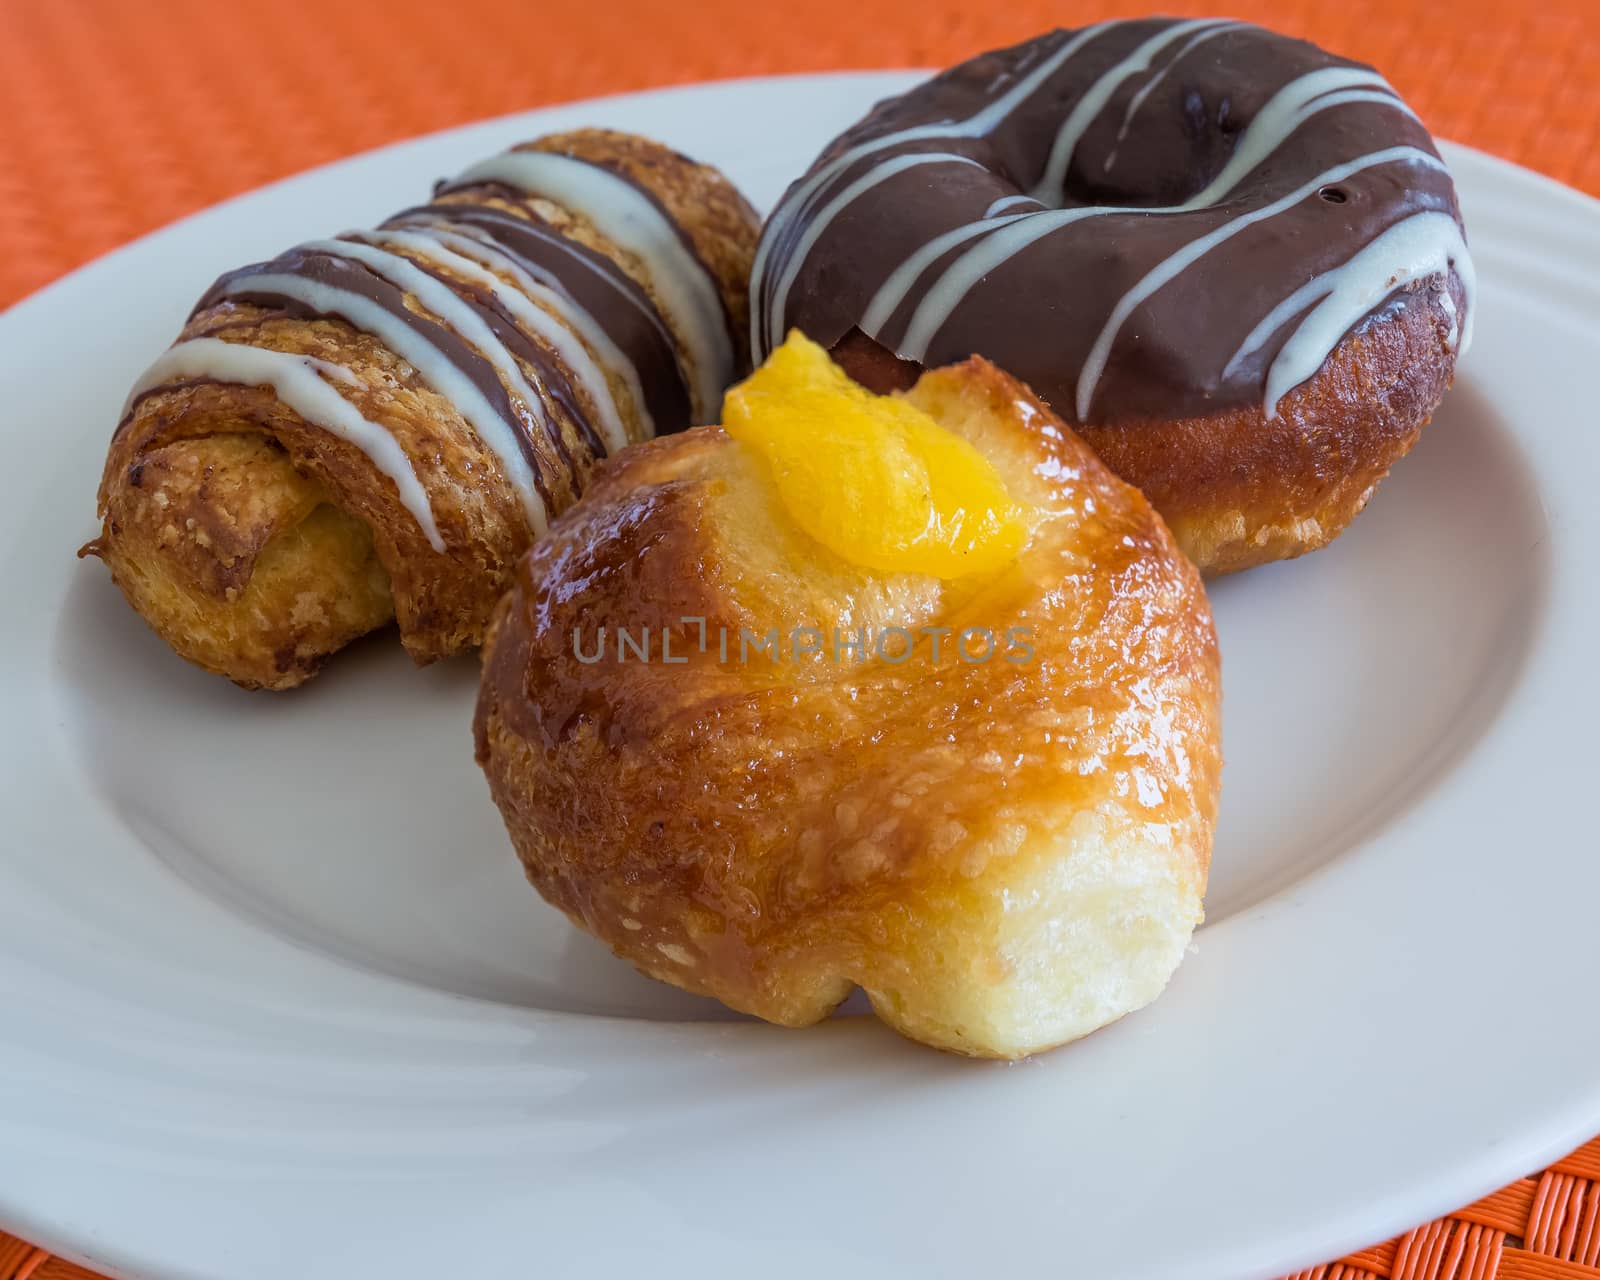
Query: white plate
x=275 y=1001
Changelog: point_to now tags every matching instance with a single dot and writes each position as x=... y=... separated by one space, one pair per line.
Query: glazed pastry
x=911 y=694
x=375 y=427
x=1233 y=261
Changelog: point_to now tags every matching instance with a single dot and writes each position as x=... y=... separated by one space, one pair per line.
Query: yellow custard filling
x=871 y=478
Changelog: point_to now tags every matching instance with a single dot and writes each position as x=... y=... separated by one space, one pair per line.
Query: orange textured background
x=117 y=116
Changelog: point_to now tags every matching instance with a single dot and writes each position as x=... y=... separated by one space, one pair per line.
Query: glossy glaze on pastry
x=1004 y=842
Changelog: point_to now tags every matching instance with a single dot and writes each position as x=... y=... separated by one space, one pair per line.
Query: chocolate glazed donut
x=1233 y=261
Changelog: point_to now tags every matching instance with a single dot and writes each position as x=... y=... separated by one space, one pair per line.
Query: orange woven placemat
x=1545 y=1227
x=121 y=117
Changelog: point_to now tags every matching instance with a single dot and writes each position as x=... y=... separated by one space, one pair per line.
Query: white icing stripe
x=1149 y=86
x=1423 y=245
x=998 y=110
x=893 y=291
x=1168 y=269
x=603 y=269
x=450 y=307
x=1383 y=97
x=1093 y=101
x=795 y=205
x=630 y=219
x=429 y=245
x=475 y=242
x=298 y=381
x=791 y=208
x=1285 y=112
x=409 y=344
x=824 y=216
x=1007 y=202
x=946 y=293
x=1447 y=304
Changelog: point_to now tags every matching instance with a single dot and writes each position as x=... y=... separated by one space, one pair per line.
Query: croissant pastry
x=375 y=427
x=751 y=741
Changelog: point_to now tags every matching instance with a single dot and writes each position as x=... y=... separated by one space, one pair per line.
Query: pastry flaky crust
x=1005 y=854
x=1240 y=489
x=257 y=542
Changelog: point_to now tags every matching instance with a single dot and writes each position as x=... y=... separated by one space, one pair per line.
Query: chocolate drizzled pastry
x=375 y=426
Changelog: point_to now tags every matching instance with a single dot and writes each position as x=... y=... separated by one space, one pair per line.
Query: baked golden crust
x=207 y=483
x=1004 y=854
x=180 y=582
x=1239 y=489
x=229 y=519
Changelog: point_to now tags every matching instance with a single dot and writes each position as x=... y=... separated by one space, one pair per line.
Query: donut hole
x=873 y=365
